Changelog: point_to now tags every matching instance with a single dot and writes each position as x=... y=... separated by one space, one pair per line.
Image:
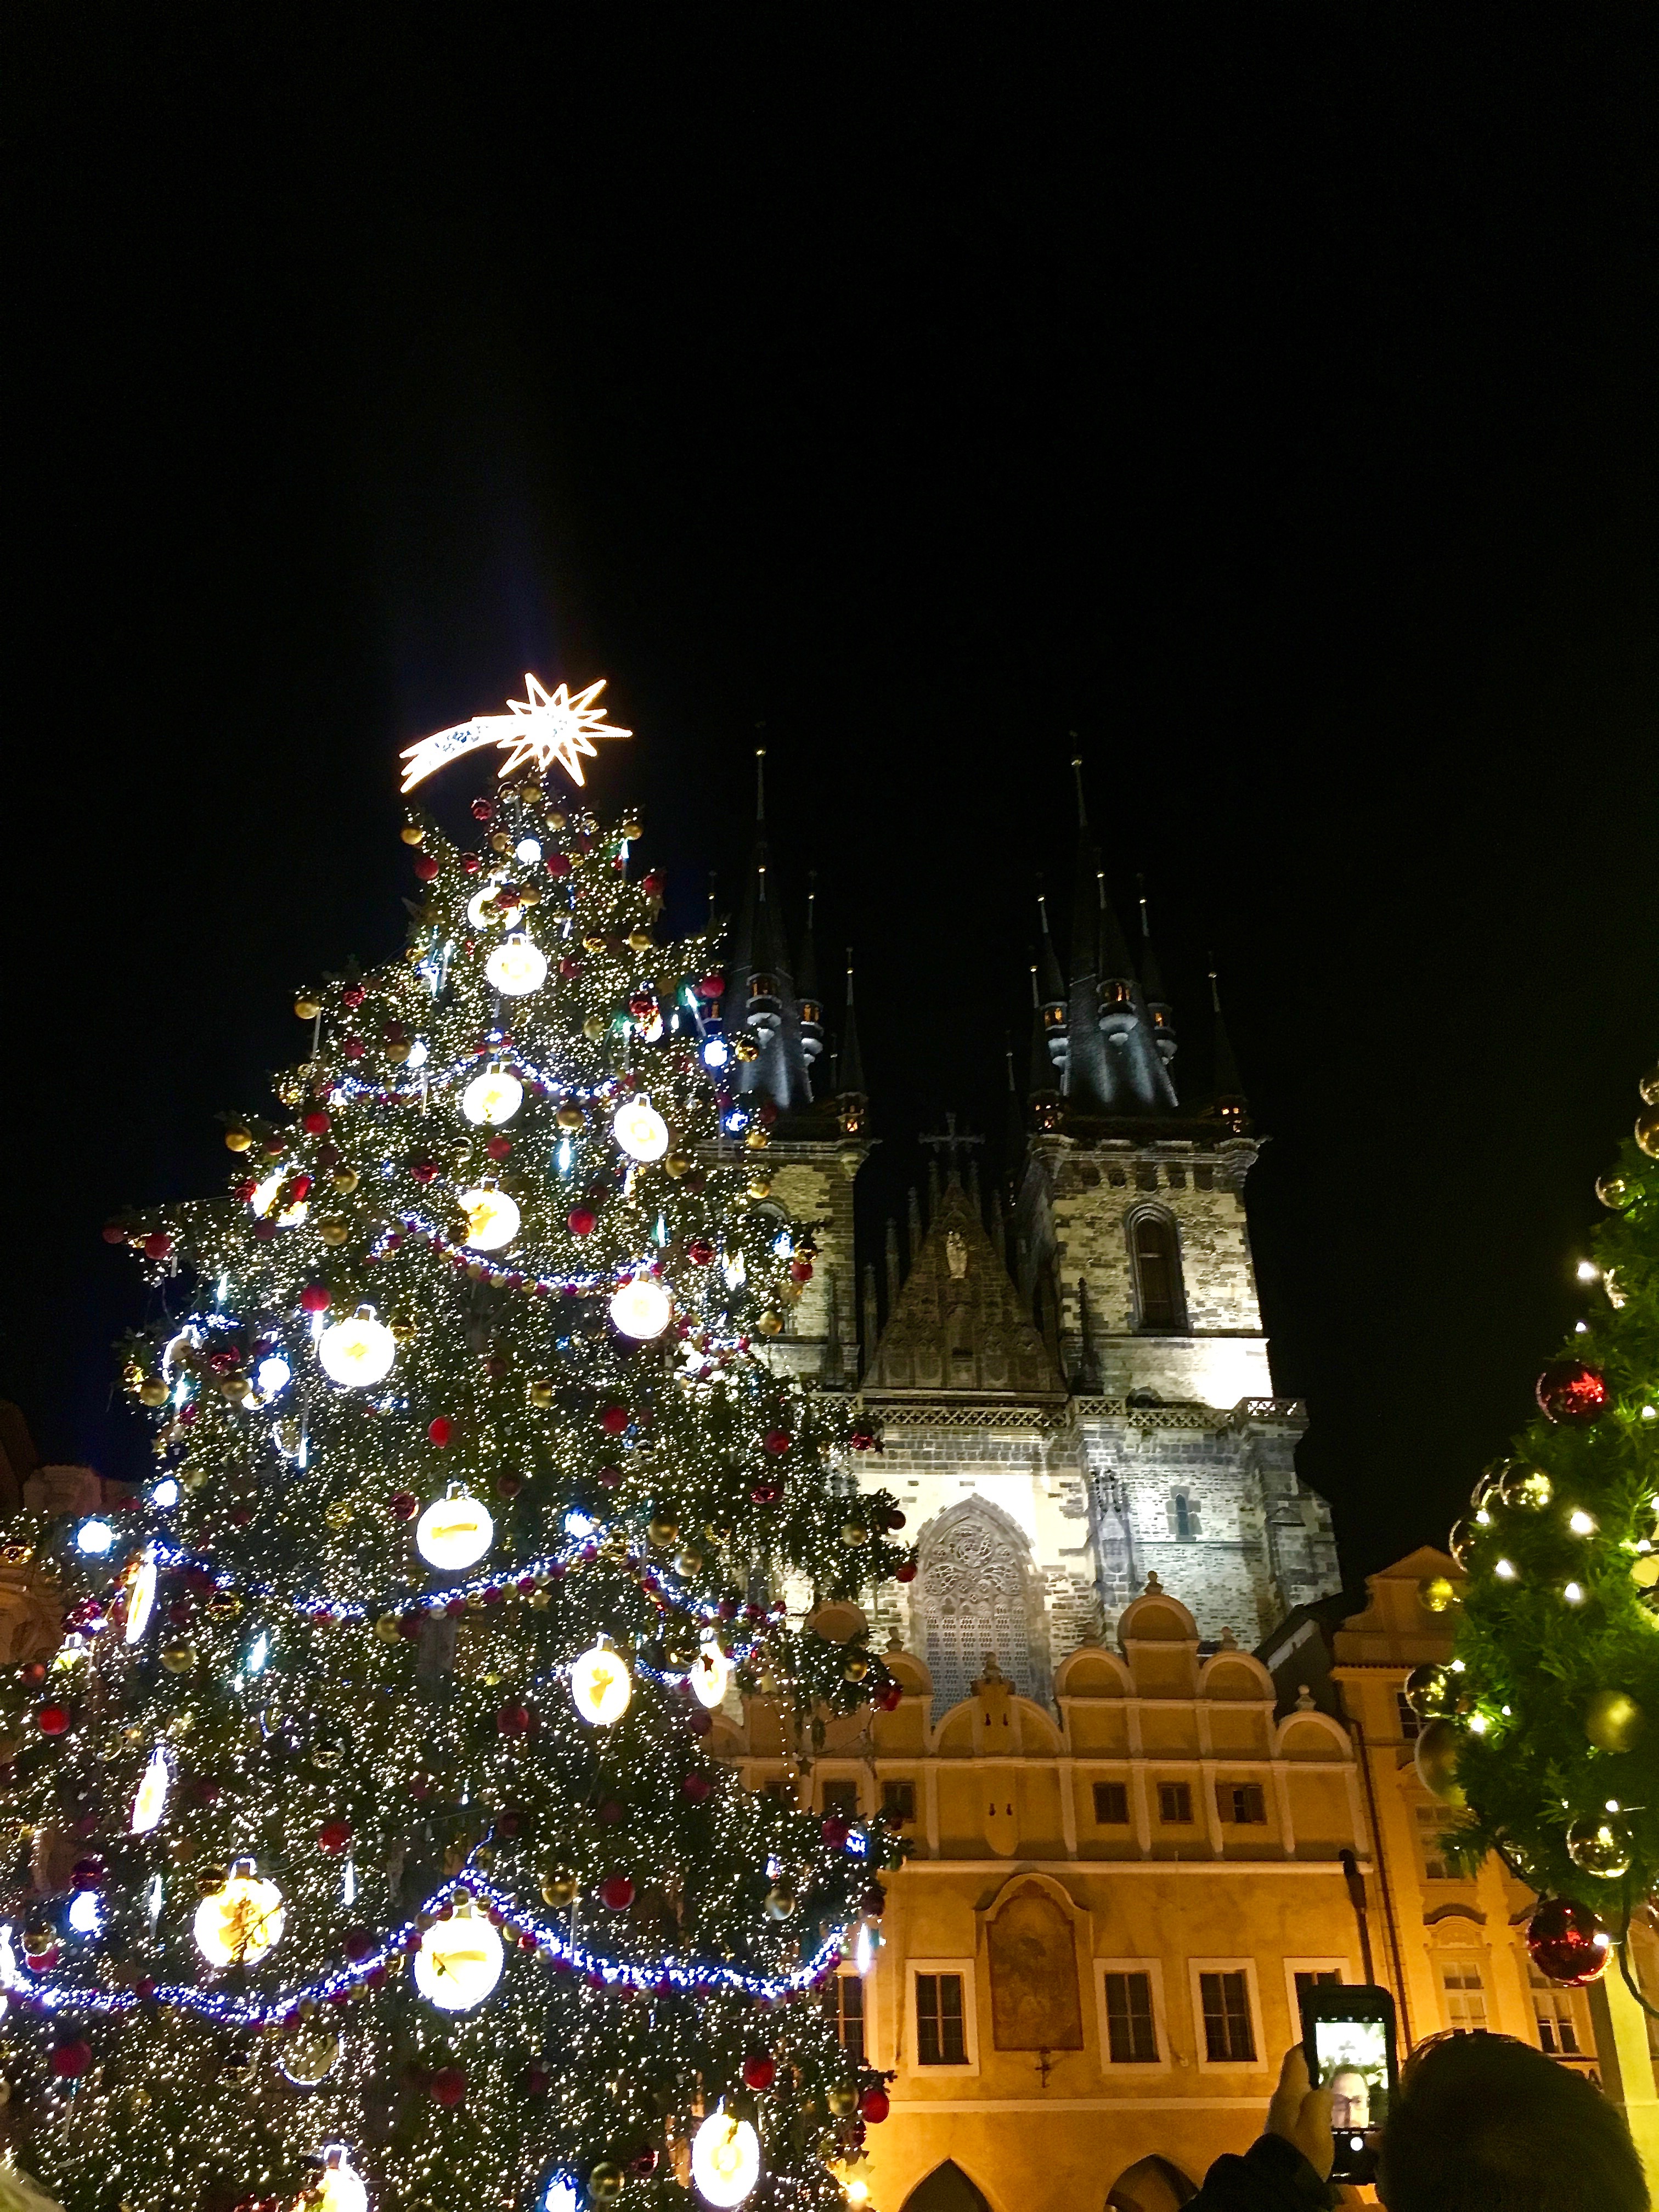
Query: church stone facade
x=1071 y=1380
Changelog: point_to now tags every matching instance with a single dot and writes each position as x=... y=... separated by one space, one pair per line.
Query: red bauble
x=874 y=1903
x=537 y=2079
x=71 y=2060
x=483 y=809
x=402 y=1505
x=1568 y=1390
x=700 y=1251
x=696 y=1787
x=358 y=1944
x=52 y=1720
x=801 y=1271
x=353 y=1048
x=426 y=1171
x=447 y=2086
x=641 y=1005
x=777 y=1441
x=157 y=1244
x=862 y=1439
x=1567 y=1942
x=113 y=1233
x=426 y=867
x=616 y=1892
x=765 y=1493
x=515 y=1720
x=760 y=2070
x=888 y=1699
x=353 y=995
x=439 y=1432
x=907 y=1573
x=835 y=1831
x=559 y=864
x=313 y=1299
x=651 y=885
x=499 y=1148
x=301 y=1187
x=711 y=987
x=88 y=1873
x=614 y=1421
x=580 y=1221
x=893 y=1521
x=334 y=1835
x=874 y=2106
x=315 y=1124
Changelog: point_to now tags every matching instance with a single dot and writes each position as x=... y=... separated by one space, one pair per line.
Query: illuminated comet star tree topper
x=543 y=729
x=369 y=1833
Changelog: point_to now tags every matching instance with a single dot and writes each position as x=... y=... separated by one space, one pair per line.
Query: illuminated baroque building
x=1133 y=1836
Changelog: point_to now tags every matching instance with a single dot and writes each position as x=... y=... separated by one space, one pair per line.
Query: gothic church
x=1073 y=1388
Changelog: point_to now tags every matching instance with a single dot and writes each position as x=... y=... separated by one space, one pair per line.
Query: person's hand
x=1302 y=2115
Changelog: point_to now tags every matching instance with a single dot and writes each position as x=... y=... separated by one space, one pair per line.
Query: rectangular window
x=1410 y=1727
x=1430 y=1821
x=1242 y=1804
x=841 y=1797
x=1175 y=1804
x=940 y=2038
x=1465 y=1995
x=898 y=1800
x=1112 y=1804
x=1131 y=2029
x=1229 y=2037
x=843 y=2006
x=782 y=1793
x=1558 y=2023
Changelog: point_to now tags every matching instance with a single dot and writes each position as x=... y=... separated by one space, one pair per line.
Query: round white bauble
x=454 y=1532
x=357 y=1351
x=491 y=1098
x=640 y=1309
x=458 y=1963
x=516 y=968
x=640 y=1130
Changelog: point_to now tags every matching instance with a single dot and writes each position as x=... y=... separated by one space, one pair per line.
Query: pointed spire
x=1158 y=1009
x=1048 y=994
x=849 y=1067
x=1118 y=1012
x=1229 y=1102
x=914 y=1224
x=1085 y=918
x=1014 y=1119
x=806 y=983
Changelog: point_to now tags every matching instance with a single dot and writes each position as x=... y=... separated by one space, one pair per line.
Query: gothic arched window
x=1184 y=1518
x=971 y=1599
x=1160 y=1306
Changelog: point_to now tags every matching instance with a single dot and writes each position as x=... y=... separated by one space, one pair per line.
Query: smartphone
x=1348 y=2034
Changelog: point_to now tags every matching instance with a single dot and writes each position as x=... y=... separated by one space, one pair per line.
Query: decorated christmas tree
x=1543 y=1733
x=366 y=1842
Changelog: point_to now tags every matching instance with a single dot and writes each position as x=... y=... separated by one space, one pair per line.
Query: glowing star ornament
x=545 y=727
x=640 y=1130
x=459 y=1962
x=492 y=1098
x=150 y=1803
x=725 y=2160
x=640 y=1309
x=711 y=1671
x=357 y=1351
x=492 y=1218
x=141 y=1599
x=236 y=1925
x=600 y=1685
x=454 y=1532
x=516 y=968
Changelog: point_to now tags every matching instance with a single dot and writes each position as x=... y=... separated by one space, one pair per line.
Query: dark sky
x=1265 y=394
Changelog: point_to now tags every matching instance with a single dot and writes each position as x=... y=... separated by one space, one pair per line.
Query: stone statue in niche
x=1034 y=2004
x=956 y=1256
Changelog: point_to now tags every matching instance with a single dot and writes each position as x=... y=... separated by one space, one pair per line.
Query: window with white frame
x=1561 y=2028
x=1225 y=2013
x=1131 y=2017
x=945 y=2035
x=844 y=2008
x=1463 y=1993
x=1431 y=1823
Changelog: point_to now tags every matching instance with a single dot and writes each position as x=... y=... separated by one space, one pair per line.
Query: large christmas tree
x=1544 y=1732
x=366 y=1834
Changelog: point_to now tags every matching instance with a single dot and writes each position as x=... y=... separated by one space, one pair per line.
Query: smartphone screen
x=1351 y=2058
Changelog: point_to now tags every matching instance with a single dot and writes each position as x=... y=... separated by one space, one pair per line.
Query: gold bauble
x=594 y=1028
x=306 y=1009
x=853 y=1532
x=345 y=1180
x=842 y=2099
x=570 y=1117
x=500 y=841
x=402 y=1325
x=238 y=1140
x=745 y=1049
x=781 y=1902
x=541 y=1393
x=664 y=1531
x=338 y=1515
x=1600 y=1844
x=689 y=1564
x=604 y=2182
x=1614 y=1192
x=1435 y=1756
x=755 y=1137
x=538 y=1600
x=152 y=1394
x=555 y=821
x=593 y=943
x=630 y=828
x=760 y=1185
x=178 y=1658
x=677 y=1164
x=412 y=833
x=856 y=1670
x=1438 y=1593
x=1432 y=1691
x=232 y=1385
x=1648 y=1087
x=386 y=1628
x=1461 y=1541
x=1613 y=1721
x=558 y=1890
x=770 y=1324
x=1527 y=1489
x=333 y=1232
x=1647 y=1132
x=639 y=940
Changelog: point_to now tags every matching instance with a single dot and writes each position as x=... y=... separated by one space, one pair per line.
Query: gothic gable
x=958 y=1324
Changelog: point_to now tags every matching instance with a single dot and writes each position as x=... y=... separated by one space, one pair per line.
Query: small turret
x=765 y=1010
x=1048 y=991
x=1159 y=1012
x=1120 y=1007
x=851 y=1104
x=1230 y=1101
x=806 y=983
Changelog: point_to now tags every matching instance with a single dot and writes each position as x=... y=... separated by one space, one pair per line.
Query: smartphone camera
x=1349 y=2038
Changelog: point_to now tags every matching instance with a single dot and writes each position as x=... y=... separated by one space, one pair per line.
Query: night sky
x=1265 y=395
